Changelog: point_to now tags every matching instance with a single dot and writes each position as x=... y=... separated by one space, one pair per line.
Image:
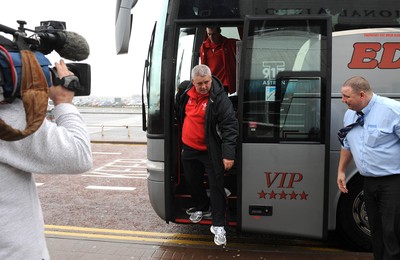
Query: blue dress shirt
x=375 y=146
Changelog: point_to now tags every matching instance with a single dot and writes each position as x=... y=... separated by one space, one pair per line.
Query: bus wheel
x=352 y=220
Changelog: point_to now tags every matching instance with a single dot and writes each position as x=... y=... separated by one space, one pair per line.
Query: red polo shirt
x=193 y=125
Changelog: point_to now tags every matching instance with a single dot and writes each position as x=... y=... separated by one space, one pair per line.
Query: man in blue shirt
x=374 y=144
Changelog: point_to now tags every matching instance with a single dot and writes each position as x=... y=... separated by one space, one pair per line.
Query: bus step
x=202 y=222
x=183 y=196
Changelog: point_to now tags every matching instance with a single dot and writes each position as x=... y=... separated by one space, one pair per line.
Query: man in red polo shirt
x=209 y=135
x=219 y=54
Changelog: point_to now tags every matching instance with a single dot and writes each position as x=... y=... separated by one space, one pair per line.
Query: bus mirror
x=123 y=24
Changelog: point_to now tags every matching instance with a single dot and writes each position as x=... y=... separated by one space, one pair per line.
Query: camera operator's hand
x=59 y=94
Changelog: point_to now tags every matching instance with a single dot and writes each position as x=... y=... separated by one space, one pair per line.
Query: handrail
x=104 y=126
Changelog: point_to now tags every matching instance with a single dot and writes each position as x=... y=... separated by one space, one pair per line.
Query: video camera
x=49 y=36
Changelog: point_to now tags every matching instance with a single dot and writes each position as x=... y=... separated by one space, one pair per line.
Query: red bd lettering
x=389 y=52
x=364 y=56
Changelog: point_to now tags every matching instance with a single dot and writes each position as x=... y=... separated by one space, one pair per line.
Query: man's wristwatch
x=69 y=82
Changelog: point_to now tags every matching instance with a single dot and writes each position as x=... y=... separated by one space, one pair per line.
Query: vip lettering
x=283 y=179
x=365 y=55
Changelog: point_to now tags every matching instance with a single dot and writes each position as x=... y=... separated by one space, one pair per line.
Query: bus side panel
x=156 y=178
x=282 y=191
x=371 y=53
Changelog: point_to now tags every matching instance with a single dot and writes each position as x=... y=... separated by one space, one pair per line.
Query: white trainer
x=220 y=235
x=205 y=214
x=196 y=217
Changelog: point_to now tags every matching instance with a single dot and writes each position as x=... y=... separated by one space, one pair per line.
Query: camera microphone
x=68 y=45
x=49 y=36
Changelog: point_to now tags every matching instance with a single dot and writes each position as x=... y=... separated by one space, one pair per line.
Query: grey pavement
x=68 y=248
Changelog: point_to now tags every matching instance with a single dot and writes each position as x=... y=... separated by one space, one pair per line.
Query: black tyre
x=352 y=220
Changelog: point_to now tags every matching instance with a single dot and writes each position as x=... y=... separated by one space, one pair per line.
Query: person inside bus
x=54 y=148
x=372 y=138
x=219 y=54
x=209 y=135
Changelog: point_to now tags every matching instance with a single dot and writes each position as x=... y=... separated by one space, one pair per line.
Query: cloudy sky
x=112 y=75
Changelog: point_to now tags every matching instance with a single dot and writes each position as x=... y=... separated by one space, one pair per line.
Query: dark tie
x=345 y=130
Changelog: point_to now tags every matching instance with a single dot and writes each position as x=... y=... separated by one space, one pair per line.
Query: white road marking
x=91 y=187
x=121 y=168
x=39 y=184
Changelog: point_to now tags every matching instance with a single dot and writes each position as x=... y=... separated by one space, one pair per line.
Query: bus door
x=284 y=114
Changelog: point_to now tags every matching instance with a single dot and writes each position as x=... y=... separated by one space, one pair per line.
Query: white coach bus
x=292 y=57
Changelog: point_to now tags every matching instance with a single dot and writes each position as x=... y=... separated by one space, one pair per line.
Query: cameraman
x=55 y=148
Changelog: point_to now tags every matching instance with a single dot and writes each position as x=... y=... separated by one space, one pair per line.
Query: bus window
x=287 y=110
x=190 y=9
x=184 y=54
x=153 y=84
x=230 y=32
x=300 y=109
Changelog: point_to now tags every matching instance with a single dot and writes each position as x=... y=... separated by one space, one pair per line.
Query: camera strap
x=34 y=94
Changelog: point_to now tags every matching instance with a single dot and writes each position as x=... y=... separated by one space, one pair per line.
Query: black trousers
x=382 y=201
x=195 y=163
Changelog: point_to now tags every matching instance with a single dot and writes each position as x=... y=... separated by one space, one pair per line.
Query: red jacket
x=223 y=54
